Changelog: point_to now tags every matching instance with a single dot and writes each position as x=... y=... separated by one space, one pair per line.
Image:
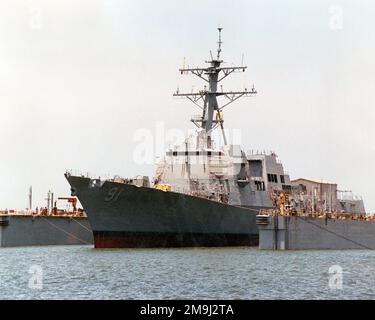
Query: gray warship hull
x=123 y=215
x=26 y=230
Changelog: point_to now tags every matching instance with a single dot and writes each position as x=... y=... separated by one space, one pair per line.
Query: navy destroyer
x=202 y=194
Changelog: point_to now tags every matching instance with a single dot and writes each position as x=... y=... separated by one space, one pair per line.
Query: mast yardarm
x=206 y=99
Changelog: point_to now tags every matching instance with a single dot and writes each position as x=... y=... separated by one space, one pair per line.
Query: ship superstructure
x=310 y=196
x=227 y=173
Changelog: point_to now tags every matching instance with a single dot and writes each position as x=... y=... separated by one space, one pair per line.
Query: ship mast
x=206 y=99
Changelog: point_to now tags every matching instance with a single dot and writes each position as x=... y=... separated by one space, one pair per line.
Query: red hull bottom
x=171 y=240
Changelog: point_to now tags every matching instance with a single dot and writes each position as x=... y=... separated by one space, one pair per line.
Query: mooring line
x=66 y=232
x=89 y=230
x=336 y=234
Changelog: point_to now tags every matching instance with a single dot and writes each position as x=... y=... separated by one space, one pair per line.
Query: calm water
x=81 y=272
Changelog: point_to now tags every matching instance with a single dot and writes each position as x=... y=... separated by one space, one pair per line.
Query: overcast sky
x=79 y=79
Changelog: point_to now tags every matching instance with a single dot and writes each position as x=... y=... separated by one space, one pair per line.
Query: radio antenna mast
x=206 y=99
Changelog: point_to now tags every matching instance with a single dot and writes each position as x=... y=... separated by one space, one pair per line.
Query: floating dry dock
x=45 y=226
x=300 y=232
x=31 y=230
x=315 y=215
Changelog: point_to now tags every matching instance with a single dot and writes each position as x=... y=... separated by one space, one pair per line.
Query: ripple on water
x=81 y=272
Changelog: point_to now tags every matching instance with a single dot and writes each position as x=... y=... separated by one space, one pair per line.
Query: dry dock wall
x=297 y=233
x=36 y=231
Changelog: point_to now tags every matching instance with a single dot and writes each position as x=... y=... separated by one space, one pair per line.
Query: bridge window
x=282 y=178
x=272 y=177
x=259 y=185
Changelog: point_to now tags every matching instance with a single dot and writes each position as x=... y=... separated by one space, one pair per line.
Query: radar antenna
x=219 y=42
x=206 y=99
